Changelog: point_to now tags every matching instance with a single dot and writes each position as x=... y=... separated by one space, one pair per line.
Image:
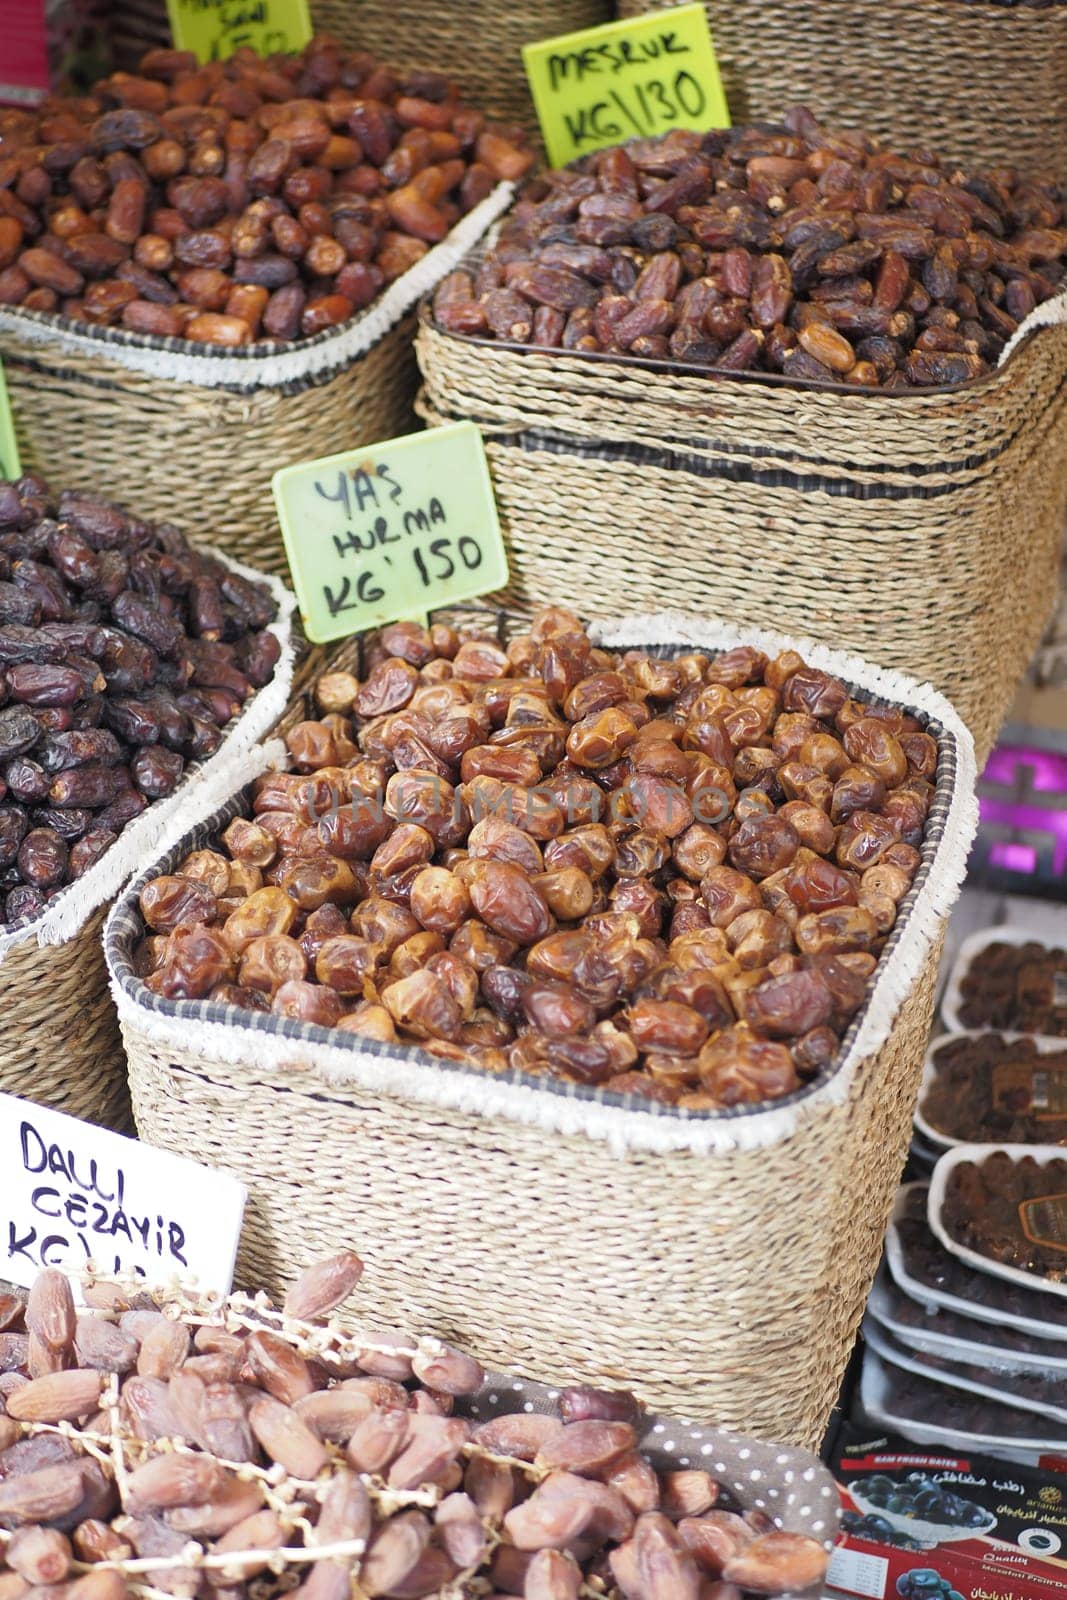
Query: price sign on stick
x=72 y=1192
x=394 y=530
x=10 y=466
x=214 y=29
x=625 y=80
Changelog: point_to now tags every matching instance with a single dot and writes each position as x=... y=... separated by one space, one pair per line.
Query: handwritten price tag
x=625 y=80
x=10 y=466
x=73 y=1192
x=214 y=29
x=395 y=530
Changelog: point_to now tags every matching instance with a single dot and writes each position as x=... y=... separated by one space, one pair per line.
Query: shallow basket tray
x=991 y=90
x=60 y=1043
x=192 y=435
x=922 y=530
x=719 y=1262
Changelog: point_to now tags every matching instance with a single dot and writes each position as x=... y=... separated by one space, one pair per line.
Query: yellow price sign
x=10 y=465
x=625 y=80
x=214 y=29
x=396 y=529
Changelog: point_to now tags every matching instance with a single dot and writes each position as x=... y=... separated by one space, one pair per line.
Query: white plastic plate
x=1042 y=1154
x=952 y=998
x=1045 y=1044
x=887 y=1347
x=876 y=1388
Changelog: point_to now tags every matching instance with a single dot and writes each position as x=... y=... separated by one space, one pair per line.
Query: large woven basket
x=981 y=82
x=476 y=42
x=193 y=436
x=60 y=1043
x=721 y=1261
x=922 y=530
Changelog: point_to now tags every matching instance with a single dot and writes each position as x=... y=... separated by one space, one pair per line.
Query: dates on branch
x=670 y=878
x=203 y=1448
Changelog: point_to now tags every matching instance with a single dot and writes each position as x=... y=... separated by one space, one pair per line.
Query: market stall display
x=231 y=1441
x=470 y=884
x=632 y=303
x=480 y=46
x=357 y=1112
x=196 y=254
x=136 y=667
x=990 y=88
x=819 y=256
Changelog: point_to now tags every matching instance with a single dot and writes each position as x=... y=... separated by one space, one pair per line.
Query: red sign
x=24 y=61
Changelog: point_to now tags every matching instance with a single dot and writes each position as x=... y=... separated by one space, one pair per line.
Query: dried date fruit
x=113 y=613
x=278 y=200
x=819 y=265
x=485 y=918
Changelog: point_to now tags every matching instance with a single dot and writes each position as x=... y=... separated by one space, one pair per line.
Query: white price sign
x=71 y=1192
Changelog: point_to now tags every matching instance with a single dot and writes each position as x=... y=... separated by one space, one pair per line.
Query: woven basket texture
x=921 y=530
x=720 y=1287
x=197 y=456
x=726 y=1289
x=60 y=1043
x=476 y=42
x=980 y=83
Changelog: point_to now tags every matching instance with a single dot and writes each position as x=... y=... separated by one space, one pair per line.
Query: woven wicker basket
x=60 y=1043
x=477 y=42
x=983 y=83
x=193 y=437
x=724 y=1258
x=922 y=530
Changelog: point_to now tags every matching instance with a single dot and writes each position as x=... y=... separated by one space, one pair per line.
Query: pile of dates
x=250 y=1443
x=124 y=652
x=671 y=878
x=991 y=1090
x=245 y=199
x=993 y=1207
x=791 y=249
x=1020 y=987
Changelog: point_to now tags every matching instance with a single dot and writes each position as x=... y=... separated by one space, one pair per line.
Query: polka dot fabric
x=791 y=1486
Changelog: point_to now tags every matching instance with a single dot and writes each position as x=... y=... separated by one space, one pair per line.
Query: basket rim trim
x=627 y=1122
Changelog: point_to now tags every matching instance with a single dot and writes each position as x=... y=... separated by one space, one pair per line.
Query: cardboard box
x=923 y=1523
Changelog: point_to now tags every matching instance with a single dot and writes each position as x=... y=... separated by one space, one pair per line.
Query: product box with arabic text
x=922 y=1523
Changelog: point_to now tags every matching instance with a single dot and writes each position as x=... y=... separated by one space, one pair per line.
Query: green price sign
x=10 y=465
x=395 y=530
x=625 y=80
x=214 y=29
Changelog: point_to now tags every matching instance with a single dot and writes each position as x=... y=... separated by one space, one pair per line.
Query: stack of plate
x=961 y=1350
